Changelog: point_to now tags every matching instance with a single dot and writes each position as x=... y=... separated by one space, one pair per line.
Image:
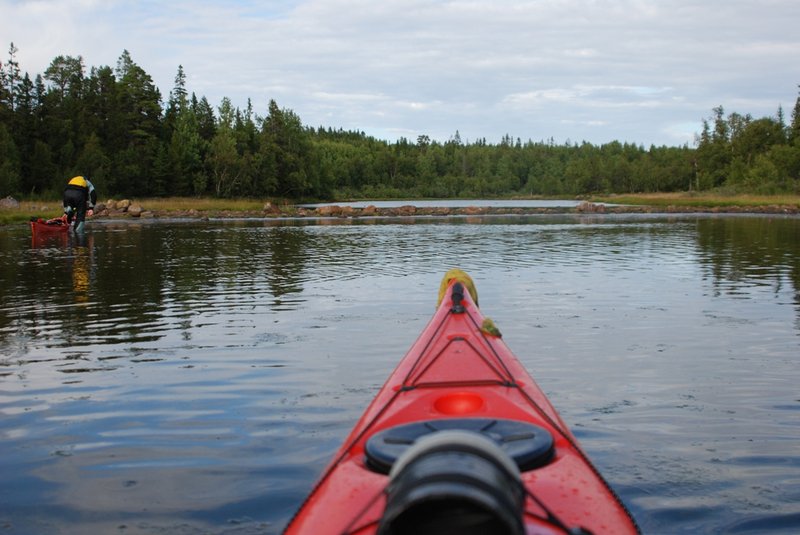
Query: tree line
x=112 y=125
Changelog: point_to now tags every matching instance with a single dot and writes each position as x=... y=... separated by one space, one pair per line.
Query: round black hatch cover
x=529 y=445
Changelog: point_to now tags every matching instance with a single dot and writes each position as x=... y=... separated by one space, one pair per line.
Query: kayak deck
x=459 y=376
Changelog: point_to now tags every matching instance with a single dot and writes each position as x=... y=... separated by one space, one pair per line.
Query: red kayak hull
x=456 y=370
x=51 y=226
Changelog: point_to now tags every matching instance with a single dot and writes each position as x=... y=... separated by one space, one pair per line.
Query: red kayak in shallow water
x=460 y=439
x=48 y=226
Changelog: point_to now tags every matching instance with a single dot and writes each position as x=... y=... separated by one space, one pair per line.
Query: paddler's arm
x=92 y=199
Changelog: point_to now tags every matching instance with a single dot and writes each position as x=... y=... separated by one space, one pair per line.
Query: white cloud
x=587 y=96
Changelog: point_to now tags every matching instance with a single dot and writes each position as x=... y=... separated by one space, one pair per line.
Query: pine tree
x=177 y=100
x=9 y=164
x=10 y=78
x=223 y=159
x=184 y=154
x=285 y=154
x=66 y=75
x=139 y=109
x=794 y=128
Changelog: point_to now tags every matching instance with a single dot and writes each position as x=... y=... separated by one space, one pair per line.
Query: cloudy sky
x=641 y=71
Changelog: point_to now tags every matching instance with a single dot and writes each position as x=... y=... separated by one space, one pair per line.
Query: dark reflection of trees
x=745 y=251
x=284 y=249
x=124 y=283
x=64 y=288
x=229 y=260
x=125 y=287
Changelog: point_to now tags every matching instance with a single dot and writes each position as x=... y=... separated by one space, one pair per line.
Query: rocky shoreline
x=128 y=209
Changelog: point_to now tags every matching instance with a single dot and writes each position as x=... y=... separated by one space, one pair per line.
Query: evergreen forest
x=112 y=125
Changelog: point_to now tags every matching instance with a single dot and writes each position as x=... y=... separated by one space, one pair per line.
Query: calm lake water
x=194 y=377
x=461 y=203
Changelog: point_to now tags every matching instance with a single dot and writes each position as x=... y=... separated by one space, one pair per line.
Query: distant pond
x=194 y=377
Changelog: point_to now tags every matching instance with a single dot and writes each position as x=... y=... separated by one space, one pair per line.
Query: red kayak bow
x=460 y=439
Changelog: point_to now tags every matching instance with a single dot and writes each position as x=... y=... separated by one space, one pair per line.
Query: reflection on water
x=194 y=377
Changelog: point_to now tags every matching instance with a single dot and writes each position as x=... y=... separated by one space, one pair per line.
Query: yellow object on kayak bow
x=460 y=276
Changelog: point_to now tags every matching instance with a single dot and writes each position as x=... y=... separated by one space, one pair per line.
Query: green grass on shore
x=204 y=204
x=28 y=209
x=48 y=209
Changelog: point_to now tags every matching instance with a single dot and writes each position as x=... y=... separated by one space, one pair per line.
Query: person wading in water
x=79 y=196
